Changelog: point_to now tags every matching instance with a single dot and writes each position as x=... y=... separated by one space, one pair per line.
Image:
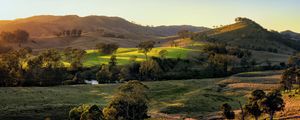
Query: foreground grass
x=189 y=98
x=93 y=57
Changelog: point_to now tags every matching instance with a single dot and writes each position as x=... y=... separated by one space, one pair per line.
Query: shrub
x=86 y=112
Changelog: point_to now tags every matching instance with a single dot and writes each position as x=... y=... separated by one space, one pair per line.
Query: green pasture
x=93 y=57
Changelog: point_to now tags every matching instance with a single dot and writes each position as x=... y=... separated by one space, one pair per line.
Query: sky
x=272 y=14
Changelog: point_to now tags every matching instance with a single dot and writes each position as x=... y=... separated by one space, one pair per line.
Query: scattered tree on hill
x=129 y=103
x=146 y=47
x=227 y=111
x=109 y=48
x=70 y=33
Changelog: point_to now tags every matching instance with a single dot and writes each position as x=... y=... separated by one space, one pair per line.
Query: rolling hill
x=293 y=35
x=43 y=30
x=249 y=34
x=47 y=25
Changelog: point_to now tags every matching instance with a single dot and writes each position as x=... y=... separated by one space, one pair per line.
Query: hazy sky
x=272 y=14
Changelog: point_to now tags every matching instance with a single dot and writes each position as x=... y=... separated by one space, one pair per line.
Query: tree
x=103 y=75
x=287 y=78
x=252 y=107
x=47 y=68
x=109 y=48
x=75 y=57
x=227 y=111
x=150 y=70
x=297 y=72
x=113 y=69
x=68 y=33
x=220 y=63
x=146 y=47
x=272 y=103
x=163 y=53
x=129 y=103
x=74 y=32
x=86 y=112
x=79 y=32
x=130 y=72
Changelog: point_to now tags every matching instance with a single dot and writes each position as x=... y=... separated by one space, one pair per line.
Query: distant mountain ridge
x=46 y=25
x=291 y=34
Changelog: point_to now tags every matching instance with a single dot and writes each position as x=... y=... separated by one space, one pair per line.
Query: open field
x=197 y=98
x=93 y=57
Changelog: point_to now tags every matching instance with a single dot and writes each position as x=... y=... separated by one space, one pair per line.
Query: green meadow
x=93 y=57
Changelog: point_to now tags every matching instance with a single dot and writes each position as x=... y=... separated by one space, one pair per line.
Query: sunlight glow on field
x=93 y=57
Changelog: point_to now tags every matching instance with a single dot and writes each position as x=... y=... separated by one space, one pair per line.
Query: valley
x=198 y=99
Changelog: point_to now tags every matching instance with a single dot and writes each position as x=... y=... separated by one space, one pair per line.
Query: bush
x=86 y=112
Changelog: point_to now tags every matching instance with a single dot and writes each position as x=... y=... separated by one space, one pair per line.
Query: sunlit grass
x=93 y=57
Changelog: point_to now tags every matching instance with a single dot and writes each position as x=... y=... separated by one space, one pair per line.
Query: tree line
x=22 y=68
x=70 y=33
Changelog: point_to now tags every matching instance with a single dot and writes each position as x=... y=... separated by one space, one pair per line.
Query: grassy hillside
x=249 y=34
x=47 y=25
x=93 y=57
x=190 y=98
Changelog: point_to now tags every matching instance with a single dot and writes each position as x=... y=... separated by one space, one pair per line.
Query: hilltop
x=293 y=35
x=249 y=34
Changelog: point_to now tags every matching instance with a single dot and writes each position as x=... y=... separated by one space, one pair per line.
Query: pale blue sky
x=272 y=14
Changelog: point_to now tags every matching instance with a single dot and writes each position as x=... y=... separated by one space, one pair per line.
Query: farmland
x=197 y=98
